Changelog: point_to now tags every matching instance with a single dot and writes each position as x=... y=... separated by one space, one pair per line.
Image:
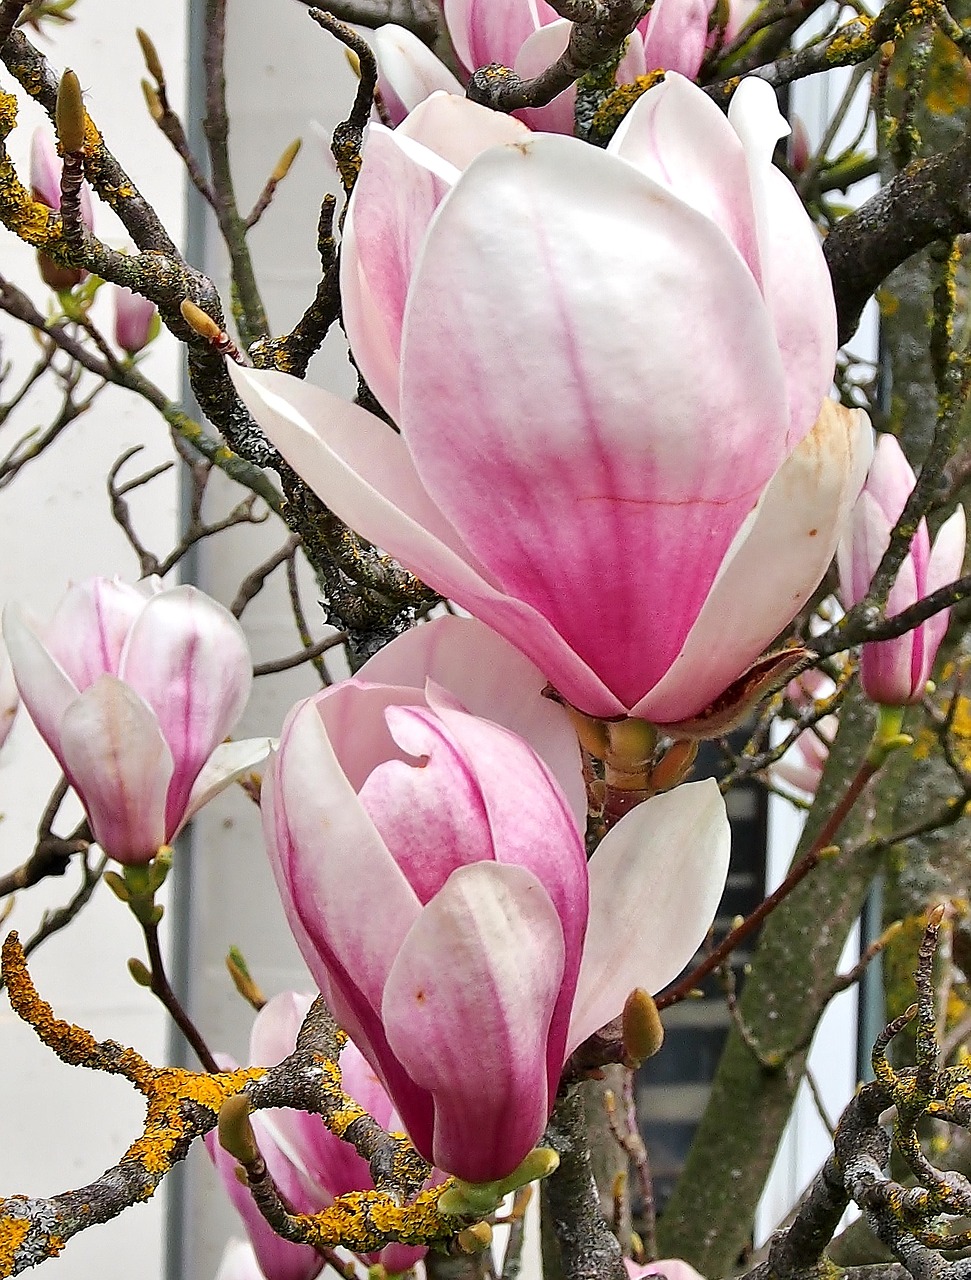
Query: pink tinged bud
x=9 y=697
x=45 y=176
x=134 y=690
x=894 y=672
x=135 y=320
x=668 y=460
x=468 y=999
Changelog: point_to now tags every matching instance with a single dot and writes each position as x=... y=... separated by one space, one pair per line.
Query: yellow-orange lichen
x=12 y=1234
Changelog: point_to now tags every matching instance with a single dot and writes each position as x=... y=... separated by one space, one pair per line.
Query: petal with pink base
x=408 y=70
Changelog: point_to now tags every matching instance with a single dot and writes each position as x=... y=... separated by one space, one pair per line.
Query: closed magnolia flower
x=136 y=321
x=45 y=184
x=433 y=872
x=609 y=372
x=305 y=1158
x=528 y=36
x=134 y=690
x=895 y=672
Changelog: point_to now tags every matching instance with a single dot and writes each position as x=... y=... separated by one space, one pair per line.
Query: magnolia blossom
x=135 y=319
x=608 y=370
x=528 y=36
x=433 y=872
x=134 y=690
x=45 y=183
x=895 y=671
x=309 y=1164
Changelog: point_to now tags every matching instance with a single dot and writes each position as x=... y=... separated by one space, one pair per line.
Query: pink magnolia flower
x=45 y=182
x=433 y=872
x=135 y=319
x=309 y=1164
x=134 y=690
x=895 y=671
x=528 y=36
x=606 y=368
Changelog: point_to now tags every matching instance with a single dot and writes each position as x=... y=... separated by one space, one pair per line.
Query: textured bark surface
x=709 y=1218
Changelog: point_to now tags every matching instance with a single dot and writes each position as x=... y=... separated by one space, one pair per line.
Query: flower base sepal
x=474 y=1200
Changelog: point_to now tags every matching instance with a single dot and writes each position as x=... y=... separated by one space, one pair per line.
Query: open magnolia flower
x=309 y=1164
x=433 y=872
x=134 y=690
x=528 y=36
x=894 y=672
x=609 y=372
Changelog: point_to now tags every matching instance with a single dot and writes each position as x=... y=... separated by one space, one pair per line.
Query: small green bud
x=140 y=972
x=153 y=63
x=117 y=885
x=476 y=1238
x=235 y=1131
x=69 y=114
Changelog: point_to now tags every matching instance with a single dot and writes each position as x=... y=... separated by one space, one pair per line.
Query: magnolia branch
x=182 y=1106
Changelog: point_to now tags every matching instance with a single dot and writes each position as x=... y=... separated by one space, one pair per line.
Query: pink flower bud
x=134 y=690
x=134 y=319
x=895 y=672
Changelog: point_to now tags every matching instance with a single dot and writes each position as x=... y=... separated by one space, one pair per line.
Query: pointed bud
x=476 y=1238
x=642 y=1033
x=153 y=64
x=286 y=160
x=235 y=1130
x=140 y=972
x=242 y=980
x=199 y=322
x=117 y=885
x=152 y=101
x=69 y=114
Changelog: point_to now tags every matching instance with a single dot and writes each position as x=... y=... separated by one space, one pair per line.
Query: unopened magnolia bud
x=235 y=1131
x=140 y=972
x=153 y=63
x=286 y=160
x=69 y=114
x=476 y=1238
x=199 y=322
x=642 y=1033
x=242 y=980
x=152 y=101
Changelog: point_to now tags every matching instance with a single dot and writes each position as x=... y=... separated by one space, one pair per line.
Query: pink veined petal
x=943 y=567
x=491 y=679
x=274 y=1030
x=427 y=838
x=484 y=31
x=539 y=51
x=363 y=472
x=90 y=627
x=400 y=186
x=772 y=568
x=408 y=70
x=188 y=658
x=43 y=684
x=120 y=765
x=228 y=763
x=331 y=867
x=891 y=478
x=675 y=36
x=655 y=883
x=678 y=137
x=891 y=671
x=467 y=1009
x=396 y=1258
x=865 y=539
x=592 y=450
x=795 y=279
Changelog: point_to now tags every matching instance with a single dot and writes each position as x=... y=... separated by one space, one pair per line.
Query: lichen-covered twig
x=181 y=1106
